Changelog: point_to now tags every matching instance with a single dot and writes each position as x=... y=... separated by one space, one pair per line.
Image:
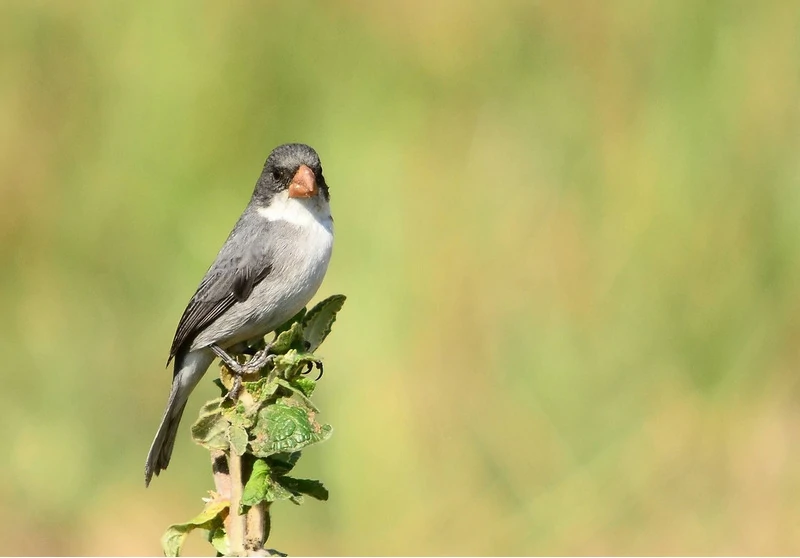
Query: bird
x=268 y=269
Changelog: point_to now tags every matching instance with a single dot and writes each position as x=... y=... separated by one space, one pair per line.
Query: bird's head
x=294 y=170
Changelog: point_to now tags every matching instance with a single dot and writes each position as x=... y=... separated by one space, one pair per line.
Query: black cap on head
x=281 y=167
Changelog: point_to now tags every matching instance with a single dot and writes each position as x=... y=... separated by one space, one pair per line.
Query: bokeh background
x=569 y=234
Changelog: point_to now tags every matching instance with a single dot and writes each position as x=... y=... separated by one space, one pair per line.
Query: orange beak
x=304 y=183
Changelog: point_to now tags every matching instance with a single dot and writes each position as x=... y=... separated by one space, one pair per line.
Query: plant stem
x=235 y=523
x=222 y=476
x=258 y=524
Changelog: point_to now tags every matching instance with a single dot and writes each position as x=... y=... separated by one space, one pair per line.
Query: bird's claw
x=233 y=393
x=311 y=364
x=260 y=359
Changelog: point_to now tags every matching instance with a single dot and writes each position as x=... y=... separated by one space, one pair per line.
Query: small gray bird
x=268 y=269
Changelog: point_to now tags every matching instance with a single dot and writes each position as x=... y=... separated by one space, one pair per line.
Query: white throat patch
x=302 y=212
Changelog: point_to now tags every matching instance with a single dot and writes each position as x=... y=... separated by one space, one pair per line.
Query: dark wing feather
x=242 y=263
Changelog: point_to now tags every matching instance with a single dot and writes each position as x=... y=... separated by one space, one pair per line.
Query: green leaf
x=210 y=518
x=288 y=323
x=261 y=487
x=293 y=362
x=282 y=463
x=287 y=339
x=210 y=429
x=305 y=385
x=212 y=407
x=261 y=390
x=309 y=487
x=255 y=490
x=219 y=540
x=318 y=321
x=275 y=492
x=242 y=415
x=285 y=428
x=302 y=396
x=238 y=439
x=287 y=364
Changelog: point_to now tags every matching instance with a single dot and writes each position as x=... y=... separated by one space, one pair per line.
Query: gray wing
x=242 y=263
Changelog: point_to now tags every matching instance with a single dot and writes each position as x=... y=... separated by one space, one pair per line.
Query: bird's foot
x=260 y=359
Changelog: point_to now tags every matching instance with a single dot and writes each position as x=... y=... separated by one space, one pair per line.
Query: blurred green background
x=568 y=232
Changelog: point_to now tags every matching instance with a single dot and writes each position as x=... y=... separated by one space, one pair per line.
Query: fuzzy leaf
x=287 y=364
x=261 y=487
x=210 y=429
x=302 y=396
x=318 y=321
x=255 y=490
x=212 y=407
x=275 y=492
x=238 y=439
x=219 y=540
x=286 y=428
x=242 y=414
x=291 y=364
x=261 y=390
x=287 y=339
x=305 y=385
x=210 y=518
x=309 y=487
x=282 y=463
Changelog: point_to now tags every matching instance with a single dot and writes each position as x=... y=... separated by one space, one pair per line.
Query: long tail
x=193 y=366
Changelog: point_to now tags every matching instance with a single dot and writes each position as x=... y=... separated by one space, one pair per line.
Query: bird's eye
x=276 y=174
